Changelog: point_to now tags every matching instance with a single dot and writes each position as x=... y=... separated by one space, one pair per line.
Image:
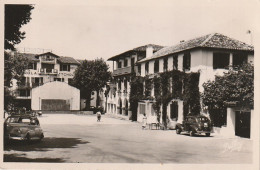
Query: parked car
x=22 y=127
x=195 y=125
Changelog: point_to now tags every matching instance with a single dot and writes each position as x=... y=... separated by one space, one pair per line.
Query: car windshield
x=19 y=120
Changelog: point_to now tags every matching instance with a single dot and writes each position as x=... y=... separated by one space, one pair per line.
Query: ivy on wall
x=167 y=86
x=136 y=94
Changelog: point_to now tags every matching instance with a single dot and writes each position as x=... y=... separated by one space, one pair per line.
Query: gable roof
x=137 y=49
x=214 y=40
x=50 y=53
x=68 y=60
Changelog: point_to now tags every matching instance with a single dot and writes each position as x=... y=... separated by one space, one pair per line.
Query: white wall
x=143 y=69
x=56 y=90
x=151 y=67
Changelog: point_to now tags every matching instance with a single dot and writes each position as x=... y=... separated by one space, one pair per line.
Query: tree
x=91 y=76
x=15 y=17
x=235 y=86
x=14 y=68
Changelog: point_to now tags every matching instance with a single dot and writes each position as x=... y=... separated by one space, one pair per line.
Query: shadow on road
x=18 y=158
x=44 y=145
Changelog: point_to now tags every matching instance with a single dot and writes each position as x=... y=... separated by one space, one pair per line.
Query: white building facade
x=209 y=55
x=44 y=69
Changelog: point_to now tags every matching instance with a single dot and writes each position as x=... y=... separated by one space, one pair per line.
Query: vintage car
x=22 y=127
x=195 y=125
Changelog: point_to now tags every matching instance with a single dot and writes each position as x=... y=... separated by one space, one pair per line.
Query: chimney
x=149 y=51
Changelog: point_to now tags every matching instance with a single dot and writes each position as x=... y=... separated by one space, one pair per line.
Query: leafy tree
x=235 y=86
x=15 y=17
x=14 y=66
x=91 y=76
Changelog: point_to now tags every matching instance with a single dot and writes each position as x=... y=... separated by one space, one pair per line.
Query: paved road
x=79 y=138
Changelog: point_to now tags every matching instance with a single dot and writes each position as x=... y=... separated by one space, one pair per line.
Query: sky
x=102 y=29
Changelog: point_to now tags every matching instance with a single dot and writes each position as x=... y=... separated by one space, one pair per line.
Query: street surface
x=75 y=138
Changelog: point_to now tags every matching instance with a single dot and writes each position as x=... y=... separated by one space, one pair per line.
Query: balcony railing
x=122 y=71
x=48 y=71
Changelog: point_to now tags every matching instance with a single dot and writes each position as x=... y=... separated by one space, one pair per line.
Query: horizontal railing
x=122 y=71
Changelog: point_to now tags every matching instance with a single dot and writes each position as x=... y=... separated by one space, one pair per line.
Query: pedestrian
x=144 y=121
x=98 y=116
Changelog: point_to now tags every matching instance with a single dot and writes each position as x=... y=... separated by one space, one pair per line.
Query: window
x=37 y=81
x=64 y=67
x=139 y=68
x=175 y=62
x=32 y=65
x=48 y=67
x=132 y=61
x=147 y=68
x=186 y=61
x=165 y=64
x=119 y=64
x=119 y=85
x=239 y=59
x=174 y=111
x=220 y=60
x=59 y=79
x=125 y=63
x=125 y=85
x=156 y=66
x=25 y=93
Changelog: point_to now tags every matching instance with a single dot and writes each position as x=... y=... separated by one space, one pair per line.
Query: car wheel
x=178 y=130
x=28 y=138
x=192 y=133
x=207 y=134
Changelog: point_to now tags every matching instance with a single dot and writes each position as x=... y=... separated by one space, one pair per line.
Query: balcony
x=48 y=71
x=122 y=71
x=48 y=60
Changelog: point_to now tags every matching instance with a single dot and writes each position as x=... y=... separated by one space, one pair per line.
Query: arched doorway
x=119 y=108
x=126 y=108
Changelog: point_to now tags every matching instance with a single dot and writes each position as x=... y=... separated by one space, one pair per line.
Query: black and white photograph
x=123 y=84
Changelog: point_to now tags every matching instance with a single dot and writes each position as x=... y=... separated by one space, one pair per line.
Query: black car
x=195 y=125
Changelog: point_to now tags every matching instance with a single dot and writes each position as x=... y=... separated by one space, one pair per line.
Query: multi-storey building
x=50 y=70
x=210 y=55
x=123 y=65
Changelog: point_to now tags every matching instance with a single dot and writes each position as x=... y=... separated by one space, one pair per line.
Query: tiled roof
x=30 y=57
x=68 y=60
x=137 y=49
x=48 y=53
x=214 y=40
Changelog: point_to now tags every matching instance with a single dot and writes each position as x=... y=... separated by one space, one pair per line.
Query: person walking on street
x=98 y=116
x=144 y=121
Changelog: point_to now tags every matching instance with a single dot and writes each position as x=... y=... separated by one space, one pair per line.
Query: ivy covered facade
x=167 y=83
